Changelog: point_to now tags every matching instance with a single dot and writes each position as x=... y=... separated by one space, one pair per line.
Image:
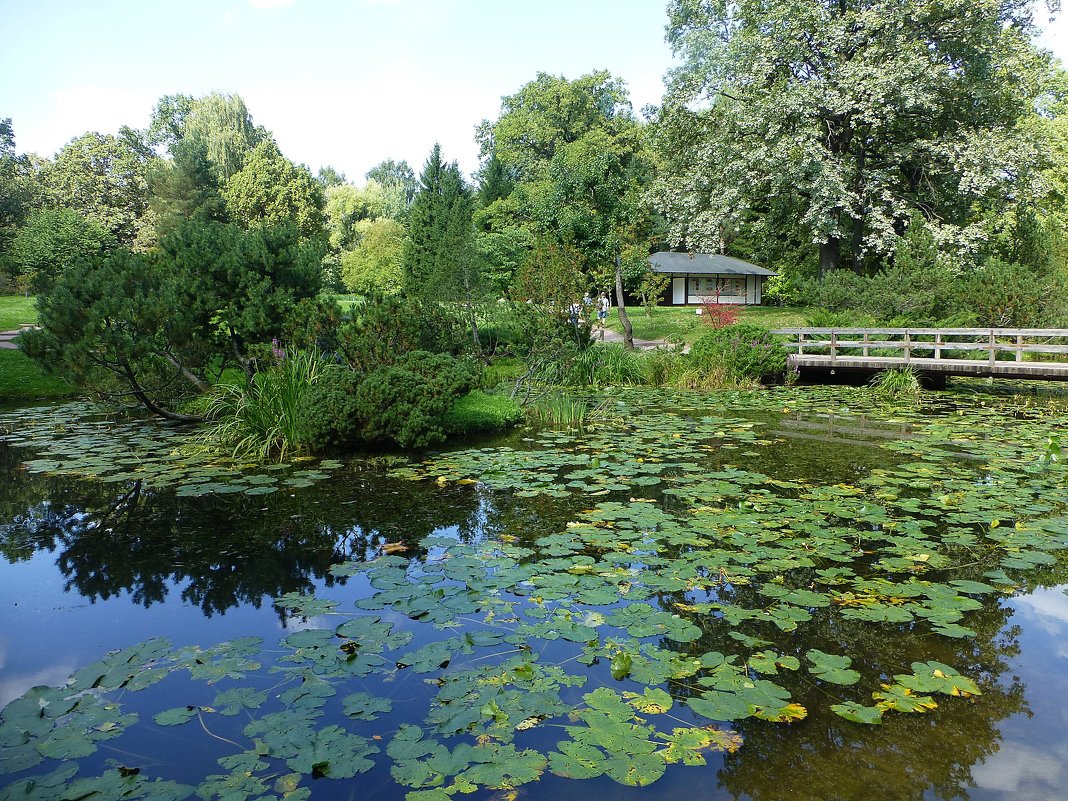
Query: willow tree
x=845 y=118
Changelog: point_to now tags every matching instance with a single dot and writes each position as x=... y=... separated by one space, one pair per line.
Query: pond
x=794 y=594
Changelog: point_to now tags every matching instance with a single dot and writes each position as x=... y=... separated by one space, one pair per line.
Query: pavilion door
x=678 y=291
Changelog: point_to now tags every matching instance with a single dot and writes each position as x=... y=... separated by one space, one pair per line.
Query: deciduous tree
x=852 y=115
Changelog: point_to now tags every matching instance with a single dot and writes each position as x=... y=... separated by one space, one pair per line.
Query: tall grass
x=557 y=410
x=898 y=384
x=261 y=421
x=608 y=365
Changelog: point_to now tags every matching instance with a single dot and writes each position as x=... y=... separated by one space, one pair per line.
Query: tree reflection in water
x=227 y=550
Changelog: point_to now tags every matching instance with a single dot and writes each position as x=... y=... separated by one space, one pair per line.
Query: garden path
x=7 y=340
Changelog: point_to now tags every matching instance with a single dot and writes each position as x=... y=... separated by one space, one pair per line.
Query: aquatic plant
x=557 y=410
x=684 y=593
x=261 y=420
x=896 y=384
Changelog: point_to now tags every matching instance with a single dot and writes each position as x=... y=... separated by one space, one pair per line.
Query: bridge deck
x=1017 y=353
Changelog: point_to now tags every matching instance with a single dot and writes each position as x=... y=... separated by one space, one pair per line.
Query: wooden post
x=865 y=344
x=992 y=343
x=1019 y=347
x=834 y=345
x=938 y=346
x=908 y=345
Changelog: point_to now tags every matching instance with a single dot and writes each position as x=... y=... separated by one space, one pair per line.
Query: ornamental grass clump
x=902 y=383
x=261 y=420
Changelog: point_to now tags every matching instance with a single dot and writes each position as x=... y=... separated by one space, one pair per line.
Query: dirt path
x=608 y=335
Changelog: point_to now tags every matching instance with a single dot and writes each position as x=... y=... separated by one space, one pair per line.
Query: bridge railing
x=906 y=344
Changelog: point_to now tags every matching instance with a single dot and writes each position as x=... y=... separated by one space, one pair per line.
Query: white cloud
x=1024 y=772
x=358 y=122
x=1048 y=608
x=12 y=687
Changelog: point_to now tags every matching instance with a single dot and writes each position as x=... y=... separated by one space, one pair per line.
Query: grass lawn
x=684 y=324
x=16 y=310
x=22 y=380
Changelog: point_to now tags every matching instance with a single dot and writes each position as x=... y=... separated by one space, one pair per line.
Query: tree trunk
x=192 y=378
x=628 y=330
x=471 y=312
x=830 y=254
x=152 y=406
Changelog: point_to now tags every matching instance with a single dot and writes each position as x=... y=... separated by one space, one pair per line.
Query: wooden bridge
x=1016 y=353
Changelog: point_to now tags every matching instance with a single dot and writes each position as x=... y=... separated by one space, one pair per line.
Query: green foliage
x=405 y=403
x=263 y=421
x=270 y=190
x=52 y=239
x=479 y=413
x=158 y=325
x=104 y=178
x=745 y=351
x=220 y=123
x=329 y=410
x=901 y=383
x=103 y=325
x=374 y=265
x=185 y=188
x=383 y=328
x=607 y=365
x=1003 y=294
x=827 y=88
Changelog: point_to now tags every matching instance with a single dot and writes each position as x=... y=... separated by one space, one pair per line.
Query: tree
x=161 y=325
x=549 y=112
x=440 y=261
x=425 y=225
x=329 y=177
x=853 y=114
x=185 y=188
x=224 y=125
x=168 y=124
x=390 y=173
x=51 y=241
x=375 y=263
x=579 y=160
x=105 y=179
x=104 y=327
x=20 y=191
x=271 y=190
x=233 y=287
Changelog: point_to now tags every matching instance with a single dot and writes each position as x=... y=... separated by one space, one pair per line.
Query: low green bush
x=479 y=413
x=328 y=412
x=404 y=403
x=744 y=351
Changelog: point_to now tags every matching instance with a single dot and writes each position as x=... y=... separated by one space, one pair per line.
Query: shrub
x=745 y=351
x=328 y=412
x=479 y=413
x=405 y=403
x=385 y=327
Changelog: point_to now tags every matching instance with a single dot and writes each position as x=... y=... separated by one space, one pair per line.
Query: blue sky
x=340 y=82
